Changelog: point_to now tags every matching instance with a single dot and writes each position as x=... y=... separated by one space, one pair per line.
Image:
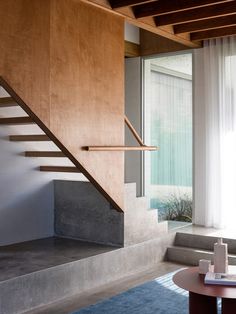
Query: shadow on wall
x=26 y=194
x=26 y=213
x=26 y=197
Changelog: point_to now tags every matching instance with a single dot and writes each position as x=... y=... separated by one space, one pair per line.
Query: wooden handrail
x=133 y=131
x=142 y=147
x=121 y=148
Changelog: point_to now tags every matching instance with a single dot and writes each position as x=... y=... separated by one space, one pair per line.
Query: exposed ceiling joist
x=219 y=32
x=132 y=49
x=147 y=24
x=210 y=11
x=169 y=6
x=186 y=22
x=115 y=4
x=205 y=24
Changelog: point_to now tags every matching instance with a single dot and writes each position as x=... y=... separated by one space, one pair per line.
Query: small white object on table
x=204 y=266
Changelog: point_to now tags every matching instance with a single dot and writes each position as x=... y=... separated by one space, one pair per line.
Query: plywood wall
x=25 y=51
x=65 y=59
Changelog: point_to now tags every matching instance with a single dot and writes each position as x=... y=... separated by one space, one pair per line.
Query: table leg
x=202 y=304
x=228 y=306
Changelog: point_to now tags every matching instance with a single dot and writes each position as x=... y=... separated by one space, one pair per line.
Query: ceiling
x=185 y=21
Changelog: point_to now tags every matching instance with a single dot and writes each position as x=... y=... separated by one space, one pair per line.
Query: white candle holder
x=204 y=266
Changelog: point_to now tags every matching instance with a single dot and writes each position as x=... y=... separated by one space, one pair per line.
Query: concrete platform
x=70 y=305
x=41 y=272
x=28 y=257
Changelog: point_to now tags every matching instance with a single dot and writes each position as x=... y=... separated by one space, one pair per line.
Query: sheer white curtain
x=215 y=133
x=168 y=124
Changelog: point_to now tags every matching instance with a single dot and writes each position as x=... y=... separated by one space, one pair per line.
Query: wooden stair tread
x=59 y=169
x=29 y=138
x=7 y=102
x=16 y=120
x=44 y=154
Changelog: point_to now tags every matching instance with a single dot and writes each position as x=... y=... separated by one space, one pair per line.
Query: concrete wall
x=81 y=212
x=26 y=195
x=133 y=110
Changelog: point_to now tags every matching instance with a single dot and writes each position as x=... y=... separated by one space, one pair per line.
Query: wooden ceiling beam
x=131 y=49
x=115 y=4
x=215 y=33
x=170 y=6
x=205 y=24
x=210 y=11
x=147 y=24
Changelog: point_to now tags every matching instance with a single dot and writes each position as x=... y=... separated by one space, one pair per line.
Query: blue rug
x=160 y=296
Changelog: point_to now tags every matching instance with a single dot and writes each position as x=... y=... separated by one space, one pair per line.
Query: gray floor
x=72 y=304
x=31 y=256
x=23 y=258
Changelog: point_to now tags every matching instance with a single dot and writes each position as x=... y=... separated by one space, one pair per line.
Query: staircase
x=84 y=214
x=114 y=243
x=140 y=222
x=188 y=249
x=137 y=215
x=28 y=117
x=24 y=119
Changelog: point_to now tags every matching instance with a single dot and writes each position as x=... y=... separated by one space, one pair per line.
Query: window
x=168 y=125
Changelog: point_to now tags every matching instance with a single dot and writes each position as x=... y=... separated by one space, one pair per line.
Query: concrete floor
x=77 y=302
x=23 y=258
x=27 y=257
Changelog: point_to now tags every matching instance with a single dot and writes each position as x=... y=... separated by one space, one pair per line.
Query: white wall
x=26 y=194
x=133 y=160
x=132 y=33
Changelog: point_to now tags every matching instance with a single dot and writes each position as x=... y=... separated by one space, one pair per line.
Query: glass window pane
x=168 y=125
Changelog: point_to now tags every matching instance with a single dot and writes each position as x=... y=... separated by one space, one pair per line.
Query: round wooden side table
x=202 y=297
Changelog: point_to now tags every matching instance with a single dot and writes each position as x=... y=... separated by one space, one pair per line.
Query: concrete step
x=140 y=222
x=81 y=212
x=202 y=241
x=134 y=203
x=130 y=191
x=191 y=256
x=138 y=207
x=150 y=216
x=40 y=272
x=141 y=230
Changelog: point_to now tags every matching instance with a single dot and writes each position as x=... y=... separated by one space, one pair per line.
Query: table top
x=189 y=279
